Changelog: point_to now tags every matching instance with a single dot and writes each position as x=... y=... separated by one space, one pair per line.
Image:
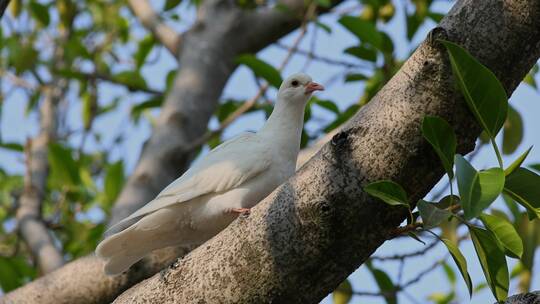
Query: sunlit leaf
x=132 y=79
x=517 y=163
x=482 y=90
x=328 y=105
x=362 y=52
x=389 y=192
x=529 y=78
x=343 y=293
x=493 y=261
x=170 y=4
x=477 y=189
x=15 y=272
x=355 y=77
x=460 y=261
x=40 y=12
x=12 y=146
x=512 y=131
x=442 y=138
x=364 y=30
x=261 y=69
x=431 y=215
x=523 y=186
x=386 y=286
x=138 y=109
x=145 y=47
x=114 y=180
x=64 y=169
x=505 y=233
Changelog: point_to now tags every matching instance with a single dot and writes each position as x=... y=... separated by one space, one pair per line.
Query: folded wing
x=228 y=166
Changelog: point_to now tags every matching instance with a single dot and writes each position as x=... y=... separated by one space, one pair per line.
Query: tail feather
x=123 y=249
x=120 y=263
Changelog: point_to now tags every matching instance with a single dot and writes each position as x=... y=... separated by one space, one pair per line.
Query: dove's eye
x=295 y=83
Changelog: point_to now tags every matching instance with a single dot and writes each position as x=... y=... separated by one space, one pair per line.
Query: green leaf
x=389 y=192
x=385 y=284
x=324 y=3
x=22 y=56
x=40 y=12
x=12 y=146
x=448 y=201
x=522 y=185
x=482 y=90
x=512 y=131
x=529 y=78
x=145 y=47
x=505 y=233
x=450 y=274
x=170 y=4
x=517 y=162
x=431 y=215
x=132 y=79
x=261 y=69
x=364 y=30
x=138 y=109
x=493 y=262
x=362 y=52
x=89 y=109
x=415 y=237
x=441 y=136
x=64 y=169
x=323 y=26
x=535 y=167
x=15 y=273
x=477 y=189
x=460 y=261
x=328 y=105
x=114 y=180
x=343 y=293
x=355 y=77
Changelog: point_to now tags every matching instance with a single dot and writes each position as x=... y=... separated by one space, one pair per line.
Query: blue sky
x=15 y=126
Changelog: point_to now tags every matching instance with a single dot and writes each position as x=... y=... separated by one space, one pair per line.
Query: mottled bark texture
x=206 y=56
x=313 y=231
x=524 y=298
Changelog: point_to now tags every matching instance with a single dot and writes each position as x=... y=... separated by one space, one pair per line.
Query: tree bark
x=532 y=297
x=206 y=57
x=299 y=243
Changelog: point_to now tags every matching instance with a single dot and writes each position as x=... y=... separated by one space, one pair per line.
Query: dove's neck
x=283 y=129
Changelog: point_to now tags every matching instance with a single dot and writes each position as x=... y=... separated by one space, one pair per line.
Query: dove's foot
x=239 y=211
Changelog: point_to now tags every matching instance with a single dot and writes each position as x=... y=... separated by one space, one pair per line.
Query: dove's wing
x=226 y=167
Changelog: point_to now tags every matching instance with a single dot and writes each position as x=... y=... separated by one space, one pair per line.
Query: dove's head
x=298 y=88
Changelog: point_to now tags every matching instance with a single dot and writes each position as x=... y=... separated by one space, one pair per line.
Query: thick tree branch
x=152 y=21
x=222 y=31
x=29 y=222
x=532 y=297
x=306 y=237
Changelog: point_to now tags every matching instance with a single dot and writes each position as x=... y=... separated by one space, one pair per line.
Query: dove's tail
x=123 y=249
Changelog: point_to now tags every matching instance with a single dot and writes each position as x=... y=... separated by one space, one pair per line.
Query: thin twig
x=150 y=20
x=399 y=288
x=312 y=55
x=407 y=255
x=18 y=81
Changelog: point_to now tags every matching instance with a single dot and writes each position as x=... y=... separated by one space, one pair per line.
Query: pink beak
x=312 y=87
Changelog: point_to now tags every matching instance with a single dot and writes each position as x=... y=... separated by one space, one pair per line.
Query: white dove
x=229 y=180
